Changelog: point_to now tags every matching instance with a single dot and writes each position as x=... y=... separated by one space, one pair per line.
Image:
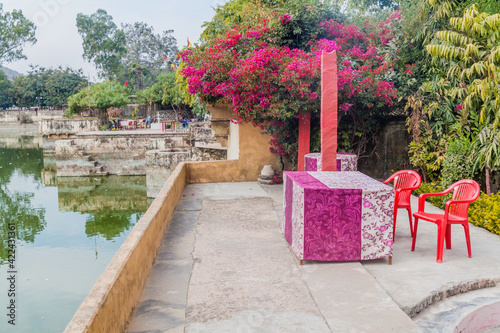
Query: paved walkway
x=224 y=266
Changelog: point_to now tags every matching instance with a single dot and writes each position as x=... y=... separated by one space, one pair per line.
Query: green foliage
x=157 y=92
x=15 y=32
x=5 y=86
x=134 y=53
x=199 y=108
x=108 y=224
x=135 y=113
x=485 y=212
x=103 y=42
x=305 y=16
x=171 y=94
x=305 y=19
x=457 y=163
x=46 y=87
x=368 y=4
x=427 y=153
x=99 y=97
x=486 y=152
x=468 y=55
x=16 y=207
x=473 y=52
x=182 y=85
x=488 y=6
x=147 y=54
x=455 y=87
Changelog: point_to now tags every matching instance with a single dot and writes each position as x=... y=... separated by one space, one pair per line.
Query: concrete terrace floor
x=224 y=266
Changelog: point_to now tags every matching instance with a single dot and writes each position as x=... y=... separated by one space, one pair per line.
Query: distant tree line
x=41 y=87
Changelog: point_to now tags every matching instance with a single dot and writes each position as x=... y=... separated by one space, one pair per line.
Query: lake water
x=65 y=232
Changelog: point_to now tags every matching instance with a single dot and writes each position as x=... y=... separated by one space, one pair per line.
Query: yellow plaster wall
x=254 y=151
x=253 y=148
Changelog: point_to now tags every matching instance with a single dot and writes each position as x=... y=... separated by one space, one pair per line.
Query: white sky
x=60 y=44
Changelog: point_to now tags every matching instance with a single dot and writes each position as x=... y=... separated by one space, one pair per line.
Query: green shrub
x=135 y=113
x=457 y=164
x=485 y=212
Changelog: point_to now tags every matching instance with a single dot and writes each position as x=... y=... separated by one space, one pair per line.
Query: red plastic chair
x=405 y=181
x=455 y=212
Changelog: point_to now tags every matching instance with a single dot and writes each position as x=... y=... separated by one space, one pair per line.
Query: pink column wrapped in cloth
x=337 y=216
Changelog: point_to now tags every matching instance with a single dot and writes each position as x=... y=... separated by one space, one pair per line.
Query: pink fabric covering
x=345 y=162
x=337 y=216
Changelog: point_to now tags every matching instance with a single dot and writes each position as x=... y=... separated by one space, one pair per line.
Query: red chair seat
x=437 y=218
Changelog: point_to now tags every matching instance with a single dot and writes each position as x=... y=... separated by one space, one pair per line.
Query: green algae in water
x=67 y=231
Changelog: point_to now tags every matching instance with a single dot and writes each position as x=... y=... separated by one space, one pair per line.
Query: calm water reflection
x=67 y=231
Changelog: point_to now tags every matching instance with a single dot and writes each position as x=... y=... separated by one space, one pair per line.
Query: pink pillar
x=304 y=138
x=329 y=105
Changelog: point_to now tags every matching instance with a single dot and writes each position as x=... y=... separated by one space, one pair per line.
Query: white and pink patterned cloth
x=345 y=162
x=337 y=216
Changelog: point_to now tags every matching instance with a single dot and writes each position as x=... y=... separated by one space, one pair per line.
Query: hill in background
x=11 y=74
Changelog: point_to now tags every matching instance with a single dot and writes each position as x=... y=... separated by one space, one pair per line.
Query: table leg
x=390 y=260
x=301 y=262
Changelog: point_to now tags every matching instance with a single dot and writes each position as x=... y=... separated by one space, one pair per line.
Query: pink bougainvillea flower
x=285 y=19
x=268 y=84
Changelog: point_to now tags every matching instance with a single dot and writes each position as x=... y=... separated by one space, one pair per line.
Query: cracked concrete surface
x=224 y=266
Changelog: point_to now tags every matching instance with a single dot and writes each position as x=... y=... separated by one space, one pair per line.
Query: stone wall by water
x=50 y=127
x=160 y=163
x=11 y=116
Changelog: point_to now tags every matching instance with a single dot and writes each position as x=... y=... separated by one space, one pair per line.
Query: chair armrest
x=411 y=188
x=391 y=178
x=421 y=198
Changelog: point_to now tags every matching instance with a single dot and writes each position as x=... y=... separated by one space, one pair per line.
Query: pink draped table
x=345 y=162
x=337 y=216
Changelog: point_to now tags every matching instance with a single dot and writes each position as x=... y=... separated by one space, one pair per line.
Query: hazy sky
x=60 y=44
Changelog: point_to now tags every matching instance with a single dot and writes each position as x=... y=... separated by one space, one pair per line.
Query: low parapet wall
x=111 y=301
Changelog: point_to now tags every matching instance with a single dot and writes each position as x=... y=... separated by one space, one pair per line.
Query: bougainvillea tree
x=269 y=84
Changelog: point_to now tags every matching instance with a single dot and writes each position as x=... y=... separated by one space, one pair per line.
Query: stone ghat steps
x=83 y=165
x=97 y=169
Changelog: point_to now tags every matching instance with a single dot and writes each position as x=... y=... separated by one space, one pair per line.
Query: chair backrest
x=466 y=189
x=406 y=178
